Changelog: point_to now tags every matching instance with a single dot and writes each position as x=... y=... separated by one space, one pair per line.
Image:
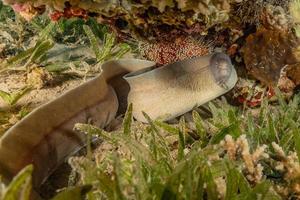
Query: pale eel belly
x=46 y=138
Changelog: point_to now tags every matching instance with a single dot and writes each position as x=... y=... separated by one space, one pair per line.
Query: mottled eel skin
x=46 y=138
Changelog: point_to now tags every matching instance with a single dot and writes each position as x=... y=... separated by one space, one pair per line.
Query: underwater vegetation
x=231 y=153
x=234 y=154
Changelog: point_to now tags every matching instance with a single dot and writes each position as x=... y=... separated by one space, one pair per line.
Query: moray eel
x=46 y=138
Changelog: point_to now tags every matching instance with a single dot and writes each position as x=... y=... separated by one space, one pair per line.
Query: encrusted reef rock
x=169 y=30
x=144 y=19
x=167 y=51
x=293 y=73
x=271 y=54
x=267 y=52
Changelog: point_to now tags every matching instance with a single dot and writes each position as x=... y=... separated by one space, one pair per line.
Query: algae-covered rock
x=171 y=30
x=143 y=18
x=267 y=52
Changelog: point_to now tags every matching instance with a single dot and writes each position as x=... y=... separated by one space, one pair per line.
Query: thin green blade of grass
x=89 y=174
x=281 y=99
x=214 y=111
x=233 y=119
x=39 y=51
x=263 y=112
x=232 y=183
x=199 y=126
x=45 y=34
x=168 y=194
x=211 y=187
x=286 y=140
x=89 y=129
x=262 y=191
x=118 y=186
x=123 y=49
x=13 y=98
x=31 y=54
x=200 y=187
x=26 y=192
x=271 y=129
x=36 y=51
x=221 y=134
x=20 y=57
x=244 y=186
x=106 y=184
x=58 y=67
x=188 y=186
x=163 y=146
x=128 y=120
x=150 y=183
x=136 y=148
x=6 y=96
x=181 y=139
x=98 y=29
x=94 y=42
x=109 y=41
x=74 y=193
x=296 y=134
x=153 y=145
x=20 y=185
x=168 y=128
x=250 y=126
x=151 y=123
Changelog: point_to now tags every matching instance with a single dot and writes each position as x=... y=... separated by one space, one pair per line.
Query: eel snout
x=221 y=68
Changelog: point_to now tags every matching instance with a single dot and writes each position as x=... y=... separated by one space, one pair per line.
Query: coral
x=250 y=93
x=294 y=8
x=275 y=18
x=165 y=52
x=250 y=11
x=290 y=167
x=142 y=18
x=241 y=148
x=285 y=83
x=221 y=187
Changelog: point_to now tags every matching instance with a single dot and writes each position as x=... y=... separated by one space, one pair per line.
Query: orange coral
x=68 y=13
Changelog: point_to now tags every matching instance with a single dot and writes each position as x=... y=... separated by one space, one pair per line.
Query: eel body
x=172 y=90
x=46 y=138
